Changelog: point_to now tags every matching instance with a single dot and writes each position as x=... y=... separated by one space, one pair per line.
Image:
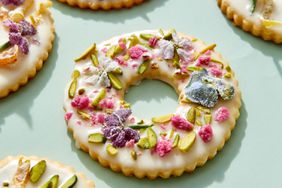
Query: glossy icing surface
x=8 y=169
x=11 y=75
x=148 y=160
x=243 y=7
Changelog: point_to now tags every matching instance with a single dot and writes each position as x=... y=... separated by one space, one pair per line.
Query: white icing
x=148 y=161
x=7 y=171
x=242 y=7
x=12 y=75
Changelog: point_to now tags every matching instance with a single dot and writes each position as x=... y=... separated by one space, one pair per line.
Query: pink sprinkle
x=222 y=114
x=68 y=115
x=136 y=52
x=216 y=72
x=80 y=102
x=206 y=133
x=153 y=41
x=121 y=43
x=121 y=61
x=107 y=103
x=130 y=143
x=163 y=147
x=203 y=61
x=104 y=50
x=181 y=123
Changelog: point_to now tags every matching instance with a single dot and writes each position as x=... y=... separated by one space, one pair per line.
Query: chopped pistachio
x=199 y=123
x=5 y=184
x=111 y=150
x=101 y=95
x=85 y=54
x=133 y=155
x=161 y=32
x=96 y=138
x=126 y=57
x=175 y=140
x=143 y=67
x=70 y=182
x=117 y=70
x=146 y=36
x=139 y=126
x=37 y=171
x=143 y=143
x=168 y=36
x=133 y=40
x=228 y=75
x=208 y=118
x=94 y=60
x=218 y=62
x=4 y=46
x=228 y=68
x=52 y=183
x=253 y=6
x=191 y=115
x=171 y=133
x=116 y=83
x=175 y=61
x=210 y=47
x=203 y=109
x=83 y=115
x=186 y=141
x=75 y=74
x=72 y=88
x=193 y=68
x=162 y=119
x=140 y=122
x=198 y=113
x=152 y=137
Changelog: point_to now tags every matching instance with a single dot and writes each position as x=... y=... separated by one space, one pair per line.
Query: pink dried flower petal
x=163 y=147
x=216 y=72
x=153 y=41
x=107 y=103
x=222 y=114
x=80 y=102
x=181 y=123
x=203 y=61
x=136 y=52
x=206 y=133
x=121 y=61
x=68 y=116
x=130 y=143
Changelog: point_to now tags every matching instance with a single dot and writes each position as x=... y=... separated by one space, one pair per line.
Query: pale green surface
x=31 y=120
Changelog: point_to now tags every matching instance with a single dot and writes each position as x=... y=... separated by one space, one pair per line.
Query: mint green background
x=31 y=120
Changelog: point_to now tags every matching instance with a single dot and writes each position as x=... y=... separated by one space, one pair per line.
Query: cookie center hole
x=152 y=98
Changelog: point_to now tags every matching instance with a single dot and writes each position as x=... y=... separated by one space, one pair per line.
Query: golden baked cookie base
x=103 y=5
x=234 y=115
x=37 y=65
x=70 y=169
x=248 y=26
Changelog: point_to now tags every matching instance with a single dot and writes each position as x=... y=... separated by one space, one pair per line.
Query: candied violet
x=18 y=33
x=12 y=2
x=118 y=117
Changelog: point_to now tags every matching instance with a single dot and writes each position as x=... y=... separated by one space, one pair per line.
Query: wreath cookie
x=103 y=4
x=36 y=172
x=26 y=36
x=260 y=17
x=104 y=125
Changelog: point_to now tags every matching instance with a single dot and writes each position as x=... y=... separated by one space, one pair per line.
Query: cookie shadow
x=212 y=171
x=268 y=48
x=21 y=101
x=112 y=16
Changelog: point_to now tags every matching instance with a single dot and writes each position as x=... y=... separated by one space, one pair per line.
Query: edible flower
x=12 y=2
x=163 y=147
x=222 y=114
x=206 y=133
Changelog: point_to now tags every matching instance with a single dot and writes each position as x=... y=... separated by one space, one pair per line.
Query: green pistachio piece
x=228 y=75
x=152 y=137
x=140 y=122
x=101 y=95
x=4 y=46
x=52 y=183
x=83 y=115
x=186 y=141
x=191 y=115
x=70 y=182
x=133 y=155
x=193 y=68
x=72 y=88
x=228 y=68
x=143 y=67
x=111 y=150
x=208 y=118
x=94 y=60
x=146 y=36
x=37 y=171
x=253 y=7
x=116 y=83
x=175 y=61
x=117 y=71
x=5 y=184
x=90 y=50
x=198 y=122
x=168 y=36
x=133 y=40
x=175 y=140
x=75 y=74
x=139 y=126
x=96 y=138
x=126 y=57
x=203 y=109
x=113 y=51
x=198 y=113
x=171 y=133
x=210 y=47
x=161 y=32
x=218 y=62
x=162 y=119
x=143 y=143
